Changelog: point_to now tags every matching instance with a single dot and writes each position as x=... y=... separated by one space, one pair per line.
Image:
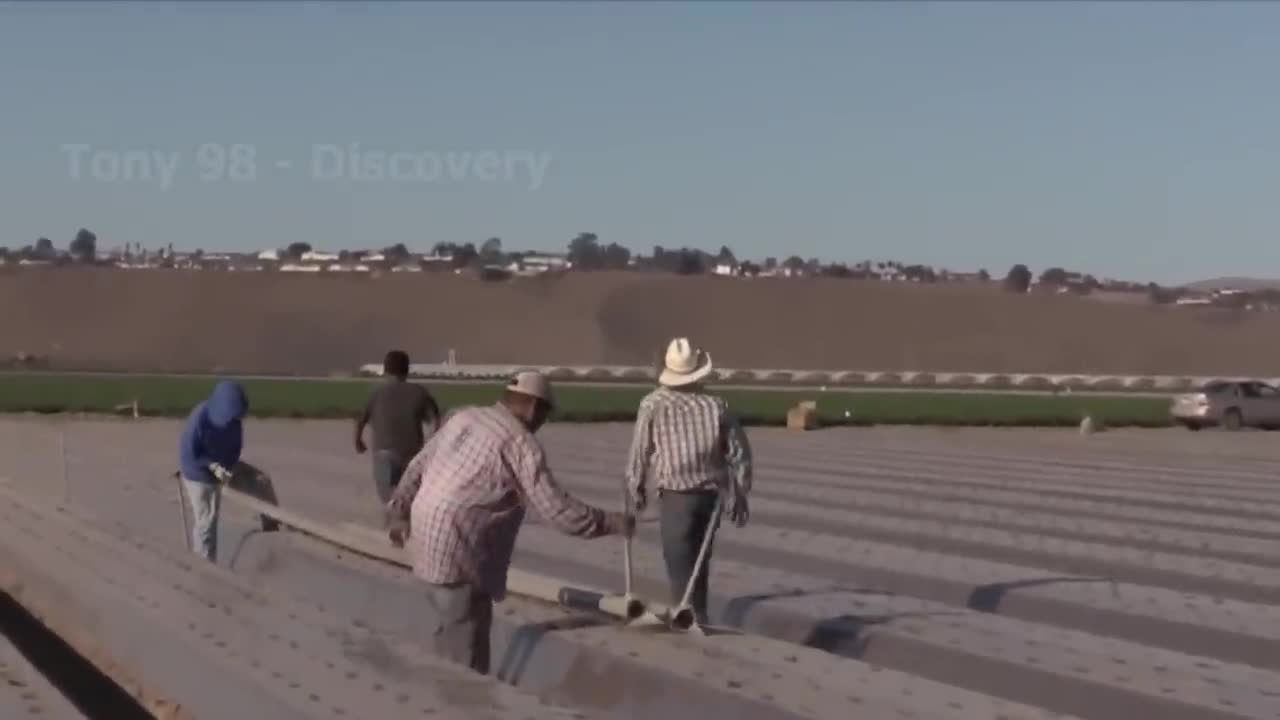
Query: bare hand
x=622 y=524
x=397 y=535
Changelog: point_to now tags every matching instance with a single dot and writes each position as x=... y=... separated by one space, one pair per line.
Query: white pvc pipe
x=366 y=541
x=626 y=542
x=533 y=585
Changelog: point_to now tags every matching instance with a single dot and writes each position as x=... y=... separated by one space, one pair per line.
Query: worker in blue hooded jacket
x=209 y=452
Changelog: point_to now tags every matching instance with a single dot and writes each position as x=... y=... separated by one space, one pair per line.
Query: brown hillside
x=269 y=322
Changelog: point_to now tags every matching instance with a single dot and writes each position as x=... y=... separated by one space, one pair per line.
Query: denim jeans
x=463 y=621
x=388 y=466
x=205 y=500
x=685 y=519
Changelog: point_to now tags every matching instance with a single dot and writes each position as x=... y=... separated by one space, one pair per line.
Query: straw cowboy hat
x=684 y=364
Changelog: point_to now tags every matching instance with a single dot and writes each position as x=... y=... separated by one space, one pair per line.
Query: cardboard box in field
x=804 y=416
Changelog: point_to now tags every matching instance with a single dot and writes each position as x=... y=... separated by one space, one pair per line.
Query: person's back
x=689 y=443
x=482 y=445
x=397 y=409
x=397 y=412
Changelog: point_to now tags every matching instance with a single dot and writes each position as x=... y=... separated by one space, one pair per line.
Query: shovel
x=683 y=617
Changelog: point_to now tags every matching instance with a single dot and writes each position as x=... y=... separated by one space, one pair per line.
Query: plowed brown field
x=279 y=322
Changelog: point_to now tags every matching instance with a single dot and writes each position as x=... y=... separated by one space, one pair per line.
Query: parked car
x=1230 y=404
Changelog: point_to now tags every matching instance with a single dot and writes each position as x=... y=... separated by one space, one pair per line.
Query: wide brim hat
x=684 y=364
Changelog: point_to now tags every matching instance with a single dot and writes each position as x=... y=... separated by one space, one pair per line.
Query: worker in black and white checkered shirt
x=689 y=447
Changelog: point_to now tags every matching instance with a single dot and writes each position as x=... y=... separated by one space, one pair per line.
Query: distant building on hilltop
x=542 y=262
x=312 y=256
x=436 y=261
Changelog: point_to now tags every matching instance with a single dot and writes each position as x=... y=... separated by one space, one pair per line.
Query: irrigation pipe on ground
x=367 y=542
x=635 y=611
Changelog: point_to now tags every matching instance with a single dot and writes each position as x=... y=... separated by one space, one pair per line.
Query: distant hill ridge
x=1236 y=283
x=180 y=321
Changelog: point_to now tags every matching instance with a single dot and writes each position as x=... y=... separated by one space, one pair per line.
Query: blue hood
x=213 y=432
x=227 y=404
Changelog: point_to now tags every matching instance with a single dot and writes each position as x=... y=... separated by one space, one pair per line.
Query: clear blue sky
x=1134 y=140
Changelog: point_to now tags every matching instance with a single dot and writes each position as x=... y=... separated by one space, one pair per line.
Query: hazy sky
x=1135 y=140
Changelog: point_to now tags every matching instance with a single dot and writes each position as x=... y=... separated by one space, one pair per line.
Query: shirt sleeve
x=539 y=487
x=737 y=453
x=193 y=443
x=641 y=450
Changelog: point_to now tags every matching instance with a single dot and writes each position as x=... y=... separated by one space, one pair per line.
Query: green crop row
x=168 y=396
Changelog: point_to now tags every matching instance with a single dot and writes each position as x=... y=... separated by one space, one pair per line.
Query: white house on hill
x=539 y=262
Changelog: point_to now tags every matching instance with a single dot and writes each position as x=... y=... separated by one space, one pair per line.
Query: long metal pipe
x=370 y=543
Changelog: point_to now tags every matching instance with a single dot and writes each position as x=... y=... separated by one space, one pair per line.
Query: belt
x=694 y=491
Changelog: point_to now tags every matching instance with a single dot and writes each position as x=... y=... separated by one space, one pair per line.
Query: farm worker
x=209 y=451
x=465 y=496
x=398 y=410
x=692 y=448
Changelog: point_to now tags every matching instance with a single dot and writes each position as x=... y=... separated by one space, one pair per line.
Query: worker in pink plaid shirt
x=464 y=496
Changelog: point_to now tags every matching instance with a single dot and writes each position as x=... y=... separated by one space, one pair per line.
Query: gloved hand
x=739 y=512
x=220 y=473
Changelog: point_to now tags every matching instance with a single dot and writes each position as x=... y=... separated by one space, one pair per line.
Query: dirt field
x=258 y=322
x=965 y=574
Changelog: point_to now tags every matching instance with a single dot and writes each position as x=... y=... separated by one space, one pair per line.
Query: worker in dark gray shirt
x=398 y=410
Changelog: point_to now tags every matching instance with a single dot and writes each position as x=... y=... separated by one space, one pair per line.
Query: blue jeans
x=388 y=466
x=685 y=519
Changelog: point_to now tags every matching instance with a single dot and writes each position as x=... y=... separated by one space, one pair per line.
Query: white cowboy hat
x=684 y=364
